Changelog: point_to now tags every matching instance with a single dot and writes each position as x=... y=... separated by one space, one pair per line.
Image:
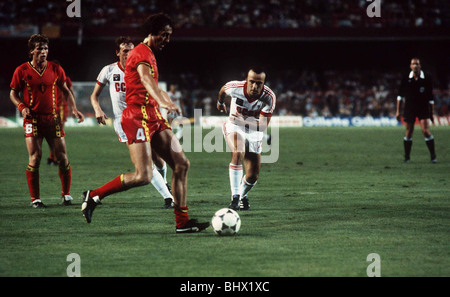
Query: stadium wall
x=283 y=121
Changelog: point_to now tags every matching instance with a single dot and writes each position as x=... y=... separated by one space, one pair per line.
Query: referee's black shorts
x=409 y=116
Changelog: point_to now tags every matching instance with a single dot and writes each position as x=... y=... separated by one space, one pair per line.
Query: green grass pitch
x=335 y=196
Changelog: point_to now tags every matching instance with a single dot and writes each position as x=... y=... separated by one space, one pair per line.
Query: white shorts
x=119 y=131
x=252 y=138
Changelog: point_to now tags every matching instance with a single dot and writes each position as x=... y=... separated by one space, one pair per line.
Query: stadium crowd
x=233 y=13
x=308 y=92
x=315 y=93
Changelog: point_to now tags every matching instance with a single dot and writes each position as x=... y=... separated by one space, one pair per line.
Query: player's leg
x=140 y=154
x=178 y=125
x=58 y=146
x=34 y=148
x=159 y=180
x=429 y=139
x=236 y=143
x=161 y=186
x=252 y=163
x=407 y=140
x=160 y=165
x=167 y=146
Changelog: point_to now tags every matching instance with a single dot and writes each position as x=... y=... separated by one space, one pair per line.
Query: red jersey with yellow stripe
x=39 y=88
x=136 y=93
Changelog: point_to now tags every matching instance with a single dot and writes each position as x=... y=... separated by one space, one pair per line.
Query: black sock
x=430 y=144
x=407 y=144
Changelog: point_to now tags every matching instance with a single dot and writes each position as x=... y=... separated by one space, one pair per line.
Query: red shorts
x=43 y=125
x=140 y=123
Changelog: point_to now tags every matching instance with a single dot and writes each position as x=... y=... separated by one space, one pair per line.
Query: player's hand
x=432 y=118
x=173 y=109
x=26 y=113
x=78 y=115
x=222 y=107
x=101 y=118
x=398 y=117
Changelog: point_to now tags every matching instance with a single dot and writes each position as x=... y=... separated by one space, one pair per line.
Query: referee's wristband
x=21 y=107
x=220 y=103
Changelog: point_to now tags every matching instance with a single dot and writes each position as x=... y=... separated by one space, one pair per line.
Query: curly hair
x=122 y=39
x=155 y=23
x=36 y=39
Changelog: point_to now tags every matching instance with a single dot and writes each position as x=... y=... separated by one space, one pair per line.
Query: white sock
x=245 y=187
x=159 y=184
x=162 y=171
x=179 y=133
x=235 y=172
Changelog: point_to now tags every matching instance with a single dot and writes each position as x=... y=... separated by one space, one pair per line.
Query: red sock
x=65 y=174
x=33 y=182
x=114 y=186
x=52 y=157
x=181 y=215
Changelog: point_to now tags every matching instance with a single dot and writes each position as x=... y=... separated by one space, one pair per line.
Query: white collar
x=422 y=75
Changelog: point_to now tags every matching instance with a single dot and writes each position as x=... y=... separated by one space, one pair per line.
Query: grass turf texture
x=334 y=196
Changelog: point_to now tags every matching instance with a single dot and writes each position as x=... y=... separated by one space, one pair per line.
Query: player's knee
x=35 y=159
x=182 y=166
x=237 y=158
x=143 y=178
x=252 y=178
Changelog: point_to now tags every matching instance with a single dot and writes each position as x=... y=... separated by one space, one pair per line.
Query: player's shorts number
x=28 y=128
x=140 y=135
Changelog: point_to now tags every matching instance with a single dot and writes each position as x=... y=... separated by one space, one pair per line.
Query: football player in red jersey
x=142 y=122
x=38 y=81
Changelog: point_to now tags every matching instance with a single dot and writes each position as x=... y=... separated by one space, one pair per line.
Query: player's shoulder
x=54 y=66
x=140 y=49
x=23 y=67
x=269 y=93
x=111 y=67
x=234 y=84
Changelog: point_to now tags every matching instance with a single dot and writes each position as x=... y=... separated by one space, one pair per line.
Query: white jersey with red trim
x=242 y=106
x=114 y=75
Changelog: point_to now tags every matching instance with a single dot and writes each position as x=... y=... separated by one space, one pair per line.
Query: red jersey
x=136 y=92
x=61 y=101
x=39 y=88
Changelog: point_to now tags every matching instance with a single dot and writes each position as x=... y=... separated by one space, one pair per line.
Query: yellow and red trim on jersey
x=144 y=122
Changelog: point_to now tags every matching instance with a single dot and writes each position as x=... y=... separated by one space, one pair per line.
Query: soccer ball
x=226 y=222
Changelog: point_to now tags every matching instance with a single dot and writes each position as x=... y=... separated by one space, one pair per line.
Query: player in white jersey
x=251 y=108
x=176 y=98
x=114 y=75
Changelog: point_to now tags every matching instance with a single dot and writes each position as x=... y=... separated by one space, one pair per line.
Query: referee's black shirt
x=418 y=93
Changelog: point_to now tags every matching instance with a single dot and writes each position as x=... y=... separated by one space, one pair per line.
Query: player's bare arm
x=15 y=99
x=169 y=101
x=221 y=106
x=99 y=114
x=71 y=101
x=153 y=89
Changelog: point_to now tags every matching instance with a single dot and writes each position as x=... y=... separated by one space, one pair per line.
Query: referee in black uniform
x=416 y=92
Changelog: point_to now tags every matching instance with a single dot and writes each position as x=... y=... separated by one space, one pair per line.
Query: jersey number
x=120 y=87
x=140 y=135
x=29 y=128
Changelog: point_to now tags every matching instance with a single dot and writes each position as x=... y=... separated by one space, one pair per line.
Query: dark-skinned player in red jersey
x=38 y=81
x=146 y=129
